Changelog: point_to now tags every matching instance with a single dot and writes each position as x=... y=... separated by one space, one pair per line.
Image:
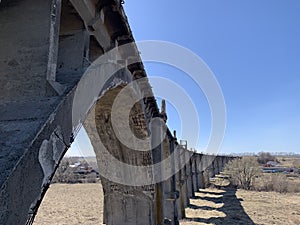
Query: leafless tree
x=242 y=171
x=264 y=157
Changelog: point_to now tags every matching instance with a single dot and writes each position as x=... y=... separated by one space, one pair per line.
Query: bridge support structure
x=62 y=66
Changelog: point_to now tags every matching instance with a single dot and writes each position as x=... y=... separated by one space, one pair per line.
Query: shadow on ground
x=213 y=206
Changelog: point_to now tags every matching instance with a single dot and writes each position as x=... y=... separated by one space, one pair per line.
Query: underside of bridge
x=62 y=65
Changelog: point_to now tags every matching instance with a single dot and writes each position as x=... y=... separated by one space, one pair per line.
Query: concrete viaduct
x=46 y=49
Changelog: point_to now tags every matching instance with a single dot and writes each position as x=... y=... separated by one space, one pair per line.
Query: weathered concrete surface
x=123 y=204
x=194 y=173
x=45 y=50
x=43 y=54
x=24 y=56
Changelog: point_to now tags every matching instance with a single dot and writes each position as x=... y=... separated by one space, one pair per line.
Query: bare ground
x=231 y=206
x=73 y=204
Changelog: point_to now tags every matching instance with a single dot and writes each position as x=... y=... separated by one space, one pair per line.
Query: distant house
x=75 y=165
x=277 y=170
x=83 y=168
x=271 y=164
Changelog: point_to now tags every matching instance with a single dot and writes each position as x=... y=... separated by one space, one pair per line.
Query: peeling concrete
x=50 y=154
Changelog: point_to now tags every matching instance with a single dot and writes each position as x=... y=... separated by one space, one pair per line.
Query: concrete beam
x=28 y=57
x=94 y=21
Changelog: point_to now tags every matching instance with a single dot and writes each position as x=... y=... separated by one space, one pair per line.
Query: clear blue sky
x=253 y=48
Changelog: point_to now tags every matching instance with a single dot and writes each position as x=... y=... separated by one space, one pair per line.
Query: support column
x=126 y=203
x=156 y=146
x=184 y=175
x=206 y=170
x=219 y=164
x=189 y=175
x=222 y=163
x=180 y=208
x=214 y=166
x=171 y=195
x=211 y=161
x=198 y=170
x=194 y=173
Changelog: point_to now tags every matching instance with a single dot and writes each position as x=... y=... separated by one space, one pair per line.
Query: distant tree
x=264 y=157
x=64 y=173
x=242 y=171
x=280 y=183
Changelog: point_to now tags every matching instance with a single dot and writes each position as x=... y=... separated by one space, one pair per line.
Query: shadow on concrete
x=232 y=208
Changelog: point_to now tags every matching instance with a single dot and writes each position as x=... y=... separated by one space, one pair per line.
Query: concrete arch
x=123 y=204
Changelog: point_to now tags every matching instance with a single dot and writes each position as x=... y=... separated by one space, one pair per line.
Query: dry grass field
x=71 y=204
x=74 y=204
x=233 y=207
x=288 y=161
